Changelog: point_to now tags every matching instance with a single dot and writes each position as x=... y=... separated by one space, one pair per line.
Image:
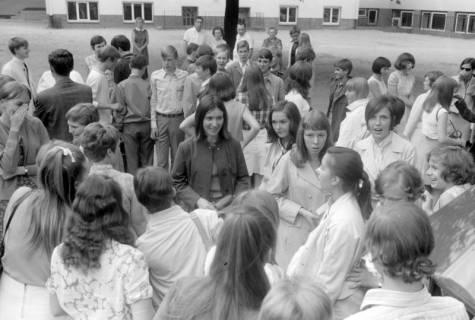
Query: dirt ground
x=360 y=46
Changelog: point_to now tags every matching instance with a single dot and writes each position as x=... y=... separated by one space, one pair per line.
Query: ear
x=335 y=181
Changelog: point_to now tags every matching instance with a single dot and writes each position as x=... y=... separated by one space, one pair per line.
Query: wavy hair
x=399 y=237
x=292 y=113
x=457 y=164
x=402 y=178
x=61 y=166
x=300 y=74
x=98 y=216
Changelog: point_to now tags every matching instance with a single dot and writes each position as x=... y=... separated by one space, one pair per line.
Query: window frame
x=431 y=18
x=364 y=15
x=412 y=19
x=76 y=5
x=377 y=16
x=469 y=15
x=142 y=4
x=197 y=13
x=330 y=23
x=288 y=7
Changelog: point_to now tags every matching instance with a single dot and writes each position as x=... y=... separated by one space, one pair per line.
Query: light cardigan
x=353 y=128
x=332 y=249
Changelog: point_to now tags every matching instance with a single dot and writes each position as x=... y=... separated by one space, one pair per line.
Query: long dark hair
x=257 y=94
x=313 y=120
x=292 y=113
x=347 y=165
x=98 y=216
x=299 y=77
x=237 y=282
x=208 y=103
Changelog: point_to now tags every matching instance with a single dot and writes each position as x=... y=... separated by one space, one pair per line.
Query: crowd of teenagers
x=216 y=189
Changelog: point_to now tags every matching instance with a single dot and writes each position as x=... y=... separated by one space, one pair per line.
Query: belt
x=170 y=115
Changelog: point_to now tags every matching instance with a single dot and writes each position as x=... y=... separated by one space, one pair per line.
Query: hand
x=154 y=134
x=202 y=203
x=309 y=216
x=114 y=106
x=362 y=278
x=17 y=118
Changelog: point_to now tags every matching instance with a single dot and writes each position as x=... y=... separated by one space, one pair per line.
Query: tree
x=231 y=17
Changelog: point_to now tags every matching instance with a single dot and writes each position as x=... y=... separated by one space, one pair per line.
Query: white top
x=173 y=247
x=18 y=69
x=381 y=304
x=100 y=93
x=301 y=103
x=193 y=36
x=47 y=80
x=373 y=82
x=377 y=156
x=353 y=128
x=103 y=293
x=333 y=248
x=246 y=37
x=430 y=119
x=415 y=116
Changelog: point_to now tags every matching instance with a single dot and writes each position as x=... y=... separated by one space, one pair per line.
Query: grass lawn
x=361 y=46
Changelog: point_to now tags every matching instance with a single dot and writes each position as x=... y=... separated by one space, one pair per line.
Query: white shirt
x=377 y=156
x=173 y=247
x=381 y=304
x=100 y=93
x=194 y=36
x=18 y=70
x=353 y=128
x=301 y=103
x=47 y=80
x=430 y=121
x=246 y=37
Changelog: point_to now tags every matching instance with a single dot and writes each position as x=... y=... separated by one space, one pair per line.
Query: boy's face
x=243 y=54
x=241 y=29
x=202 y=74
x=340 y=73
x=23 y=52
x=294 y=36
x=98 y=47
x=264 y=64
x=221 y=59
x=169 y=63
x=272 y=33
x=198 y=24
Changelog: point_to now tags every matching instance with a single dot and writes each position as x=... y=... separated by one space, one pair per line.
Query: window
x=465 y=23
x=137 y=9
x=406 y=19
x=433 y=21
x=83 y=11
x=189 y=14
x=331 y=16
x=372 y=16
x=361 y=12
x=288 y=15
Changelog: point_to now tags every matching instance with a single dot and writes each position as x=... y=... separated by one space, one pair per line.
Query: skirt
x=19 y=301
x=255 y=153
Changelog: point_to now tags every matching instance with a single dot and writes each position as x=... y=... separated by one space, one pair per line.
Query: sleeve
x=334 y=268
x=410 y=155
x=153 y=103
x=180 y=177
x=347 y=133
x=392 y=84
x=464 y=111
x=188 y=99
x=242 y=177
x=42 y=133
x=414 y=116
x=9 y=154
x=94 y=84
x=278 y=185
x=281 y=93
x=54 y=281
x=210 y=221
x=138 y=214
x=165 y=310
x=137 y=285
x=121 y=100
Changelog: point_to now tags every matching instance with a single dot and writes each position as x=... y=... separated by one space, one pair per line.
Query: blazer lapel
x=308 y=174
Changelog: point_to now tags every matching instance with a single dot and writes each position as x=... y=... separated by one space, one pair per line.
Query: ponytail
x=363 y=195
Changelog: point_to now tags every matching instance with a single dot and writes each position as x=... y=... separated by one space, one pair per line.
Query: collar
x=174 y=74
x=243 y=65
x=392 y=298
x=173 y=211
x=18 y=60
x=357 y=104
x=205 y=83
x=138 y=29
x=386 y=141
x=99 y=167
x=341 y=200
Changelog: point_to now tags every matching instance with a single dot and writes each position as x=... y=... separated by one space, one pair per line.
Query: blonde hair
x=296 y=299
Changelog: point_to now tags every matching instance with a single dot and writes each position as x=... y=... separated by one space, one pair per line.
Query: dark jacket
x=192 y=169
x=468 y=115
x=122 y=68
x=337 y=106
x=52 y=105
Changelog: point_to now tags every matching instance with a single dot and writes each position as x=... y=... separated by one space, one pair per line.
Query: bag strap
x=204 y=236
x=15 y=206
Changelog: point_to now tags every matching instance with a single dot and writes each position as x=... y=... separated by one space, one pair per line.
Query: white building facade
x=455 y=18
x=307 y=14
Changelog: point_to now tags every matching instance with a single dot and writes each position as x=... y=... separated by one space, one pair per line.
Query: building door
x=245 y=15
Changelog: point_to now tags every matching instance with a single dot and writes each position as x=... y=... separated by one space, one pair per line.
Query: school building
x=454 y=18
x=308 y=14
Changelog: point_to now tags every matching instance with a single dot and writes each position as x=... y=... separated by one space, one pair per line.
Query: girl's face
x=408 y=68
x=139 y=23
x=281 y=124
x=434 y=173
x=426 y=84
x=213 y=122
x=350 y=95
x=314 y=141
x=380 y=125
x=385 y=71
x=325 y=173
x=217 y=34
x=12 y=105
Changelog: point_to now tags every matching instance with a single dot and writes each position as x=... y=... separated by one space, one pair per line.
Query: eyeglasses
x=466 y=69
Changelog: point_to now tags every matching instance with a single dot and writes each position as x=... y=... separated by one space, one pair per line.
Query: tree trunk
x=231 y=16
